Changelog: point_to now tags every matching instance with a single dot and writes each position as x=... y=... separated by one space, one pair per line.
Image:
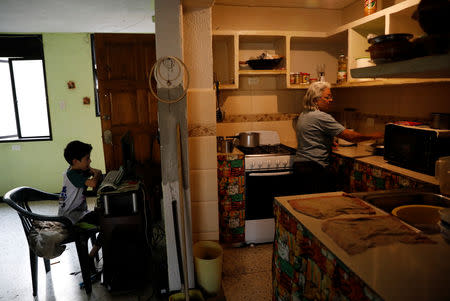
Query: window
x=23 y=96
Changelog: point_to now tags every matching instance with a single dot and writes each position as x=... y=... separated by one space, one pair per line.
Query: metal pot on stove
x=247 y=139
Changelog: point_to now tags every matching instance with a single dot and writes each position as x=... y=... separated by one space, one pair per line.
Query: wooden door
x=126 y=103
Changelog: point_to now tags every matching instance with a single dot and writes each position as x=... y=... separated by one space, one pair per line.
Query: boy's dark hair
x=76 y=150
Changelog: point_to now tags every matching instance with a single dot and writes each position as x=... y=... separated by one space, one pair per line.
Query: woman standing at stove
x=316 y=130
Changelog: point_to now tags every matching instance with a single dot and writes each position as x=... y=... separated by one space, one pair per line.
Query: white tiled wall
x=203 y=185
x=203 y=166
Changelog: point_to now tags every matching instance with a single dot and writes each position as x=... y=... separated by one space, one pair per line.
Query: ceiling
x=76 y=16
x=328 y=4
x=111 y=15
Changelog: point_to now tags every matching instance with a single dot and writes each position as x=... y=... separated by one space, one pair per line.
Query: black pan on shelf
x=264 y=64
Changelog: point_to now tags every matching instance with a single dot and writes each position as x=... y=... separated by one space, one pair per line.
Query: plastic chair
x=18 y=199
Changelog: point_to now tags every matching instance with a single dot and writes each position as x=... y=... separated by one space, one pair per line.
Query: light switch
x=15 y=147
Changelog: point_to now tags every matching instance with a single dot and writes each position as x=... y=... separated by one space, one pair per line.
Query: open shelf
x=227 y=86
x=261 y=72
x=224 y=61
x=303 y=51
x=390 y=82
x=437 y=66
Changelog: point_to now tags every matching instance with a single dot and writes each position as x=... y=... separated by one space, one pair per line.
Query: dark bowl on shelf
x=390 y=48
x=264 y=64
x=390 y=37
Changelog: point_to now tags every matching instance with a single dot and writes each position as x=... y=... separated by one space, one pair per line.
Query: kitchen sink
x=424 y=218
x=388 y=200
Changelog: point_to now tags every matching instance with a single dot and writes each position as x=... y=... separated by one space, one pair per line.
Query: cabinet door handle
x=106 y=117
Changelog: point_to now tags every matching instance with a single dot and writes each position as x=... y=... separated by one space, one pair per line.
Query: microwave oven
x=415 y=148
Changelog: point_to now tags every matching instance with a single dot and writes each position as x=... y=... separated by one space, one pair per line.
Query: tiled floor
x=59 y=284
x=246 y=270
x=247 y=273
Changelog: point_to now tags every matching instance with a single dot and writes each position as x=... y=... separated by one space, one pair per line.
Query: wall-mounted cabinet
x=303 y=51
x=306 y=54
x=224 y=60
x=252 y=46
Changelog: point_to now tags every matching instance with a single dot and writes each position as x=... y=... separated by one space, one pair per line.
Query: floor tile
x=246 y=271
x=248 y=287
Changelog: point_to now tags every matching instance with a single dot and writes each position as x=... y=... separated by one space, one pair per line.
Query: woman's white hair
x=314 y=92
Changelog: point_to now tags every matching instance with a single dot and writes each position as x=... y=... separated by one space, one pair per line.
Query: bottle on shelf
x=370 y=7
x=342 y=69
x=321 y=72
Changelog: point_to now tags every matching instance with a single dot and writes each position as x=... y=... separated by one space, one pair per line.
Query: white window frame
x=19 y=137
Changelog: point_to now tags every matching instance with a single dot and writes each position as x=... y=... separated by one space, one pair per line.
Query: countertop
x=235 y=151
x=380 y=162
x=361 y=154
x=397 y=271
x=357 y=151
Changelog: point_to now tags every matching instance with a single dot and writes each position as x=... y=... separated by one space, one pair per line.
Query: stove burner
x=276 y=149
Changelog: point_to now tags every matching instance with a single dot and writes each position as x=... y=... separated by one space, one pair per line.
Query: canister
x=297 y=78
x=292 y=78
x=305 y=78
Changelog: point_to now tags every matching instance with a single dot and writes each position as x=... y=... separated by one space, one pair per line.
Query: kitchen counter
x=360 y=154
x=231 y=187
x=357 y=151
x=381 y=163
x=235 y=151
x=395 y=272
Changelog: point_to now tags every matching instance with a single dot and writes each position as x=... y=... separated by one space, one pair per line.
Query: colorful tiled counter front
x=372 y=173
x=309 y=265
x=231 y=189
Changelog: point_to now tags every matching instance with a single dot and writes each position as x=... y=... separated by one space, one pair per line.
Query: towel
x=330 y=206
x=355 y=235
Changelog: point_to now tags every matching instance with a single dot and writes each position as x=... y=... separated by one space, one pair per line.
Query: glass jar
x=292 y=78
x=342 y=69
x=297 y=78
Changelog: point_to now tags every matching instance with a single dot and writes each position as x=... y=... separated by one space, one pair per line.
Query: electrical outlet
x=370 y=122
x=15 y=147
x=253 y=81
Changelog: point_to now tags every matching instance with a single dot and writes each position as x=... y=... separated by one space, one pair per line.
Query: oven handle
x=268 y=174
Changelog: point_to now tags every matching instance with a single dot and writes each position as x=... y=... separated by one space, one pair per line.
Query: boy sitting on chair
x=76 y=179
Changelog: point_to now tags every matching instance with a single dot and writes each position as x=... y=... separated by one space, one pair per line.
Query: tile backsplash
x=265 y=106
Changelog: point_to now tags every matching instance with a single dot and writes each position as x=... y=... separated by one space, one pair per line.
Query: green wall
x=41 y=164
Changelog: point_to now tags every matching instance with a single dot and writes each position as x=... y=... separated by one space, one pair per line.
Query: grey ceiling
x=110 y=15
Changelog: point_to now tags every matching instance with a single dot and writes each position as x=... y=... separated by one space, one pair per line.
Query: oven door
x=260 y=189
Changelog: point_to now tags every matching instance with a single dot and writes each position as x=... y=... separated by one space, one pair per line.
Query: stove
x=268 y=157
x=268 y=173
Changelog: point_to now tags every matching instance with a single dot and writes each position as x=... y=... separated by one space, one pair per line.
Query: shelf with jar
x=262 y=54
x=434 y=67
x=317 y=53
x=317 y=57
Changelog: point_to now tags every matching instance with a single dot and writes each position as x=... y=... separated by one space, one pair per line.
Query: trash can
x=208 y=257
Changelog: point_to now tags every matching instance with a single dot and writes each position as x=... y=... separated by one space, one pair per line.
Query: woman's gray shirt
x=315 y=133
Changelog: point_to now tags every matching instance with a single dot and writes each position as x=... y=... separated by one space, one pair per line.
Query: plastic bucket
x=194 y=295
x=208 y=265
